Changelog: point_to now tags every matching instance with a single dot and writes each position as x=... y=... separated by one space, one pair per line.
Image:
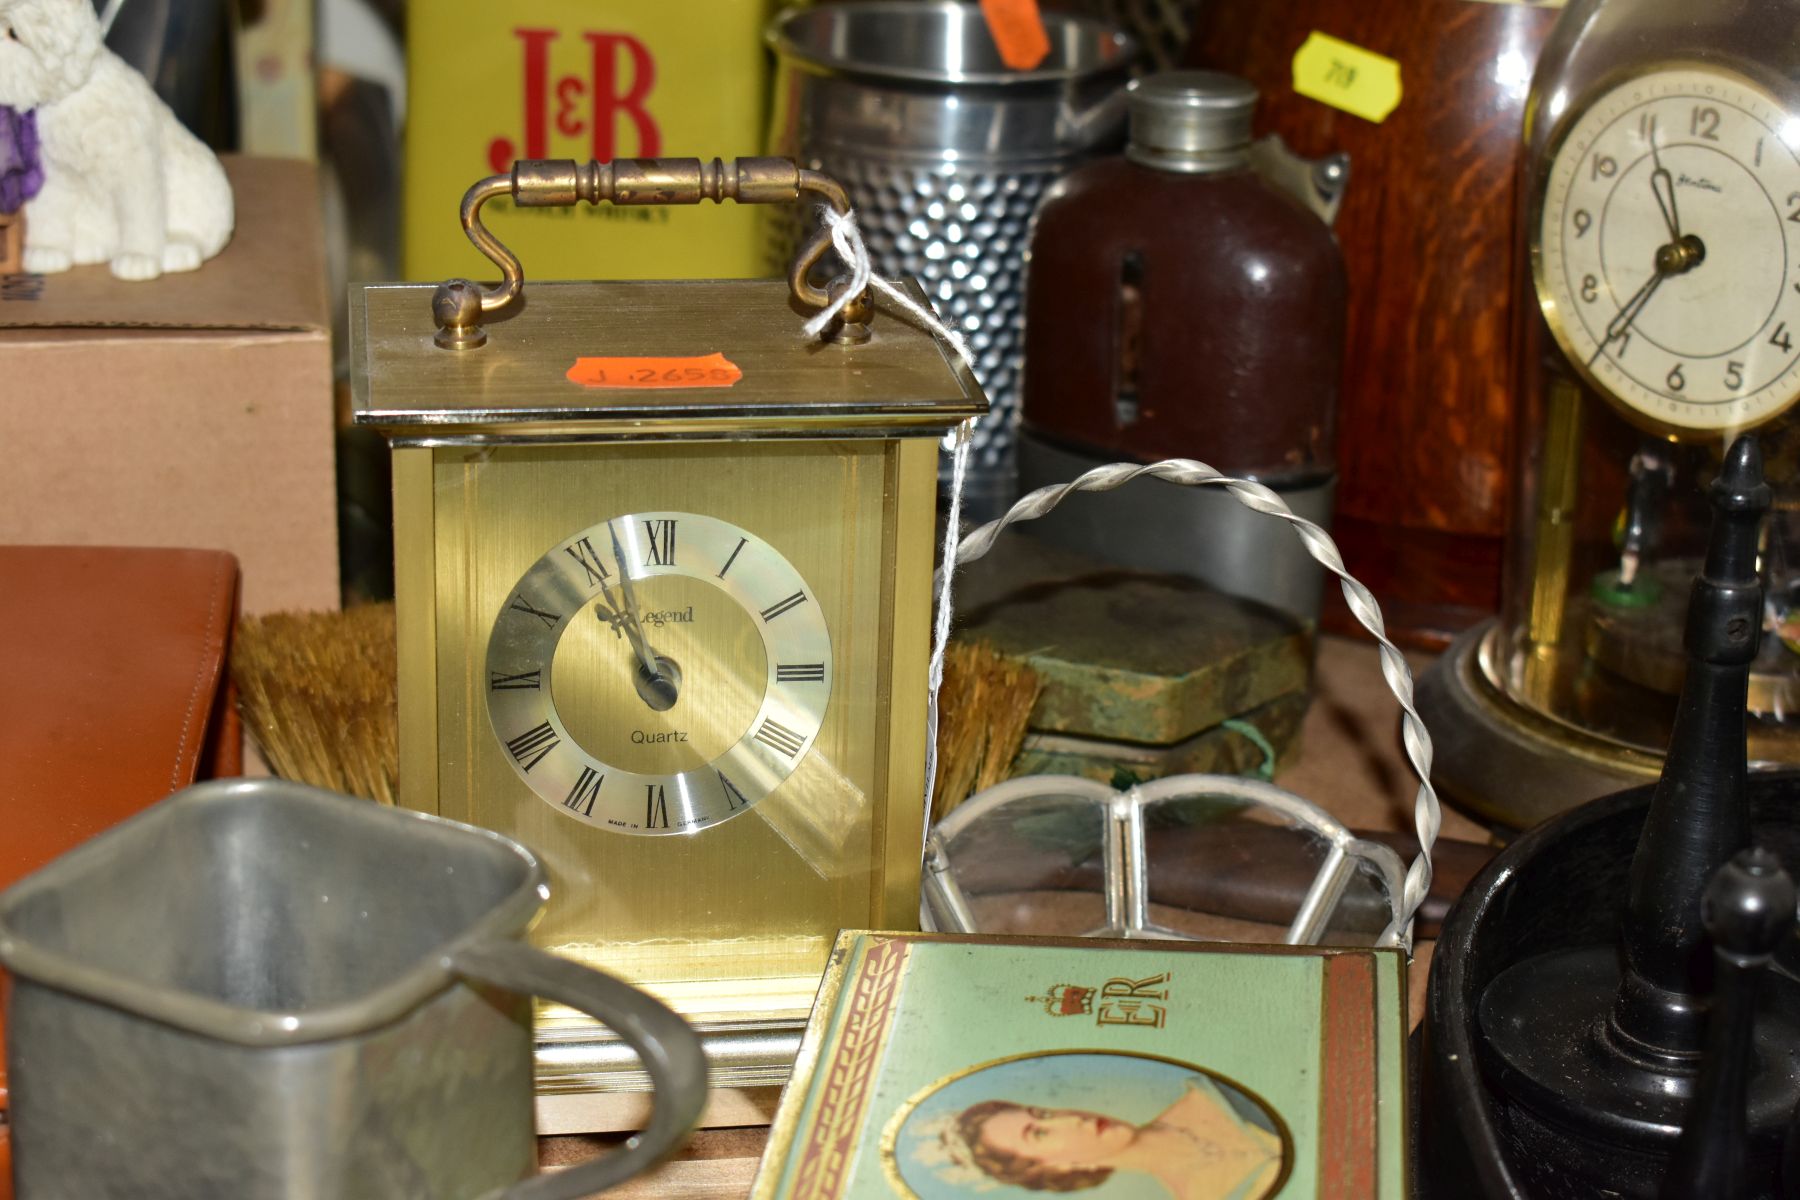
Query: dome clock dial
x=1667 y=251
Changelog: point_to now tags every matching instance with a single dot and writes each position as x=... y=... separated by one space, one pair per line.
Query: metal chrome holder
x=1414 y=736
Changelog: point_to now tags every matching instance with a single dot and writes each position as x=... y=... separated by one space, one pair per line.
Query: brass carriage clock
x=663 y=575
x=1661 y=318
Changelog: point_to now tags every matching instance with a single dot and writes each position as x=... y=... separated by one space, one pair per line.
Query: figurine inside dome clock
x=1661 y=318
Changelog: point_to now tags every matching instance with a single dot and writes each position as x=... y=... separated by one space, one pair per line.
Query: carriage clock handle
x=459 y=304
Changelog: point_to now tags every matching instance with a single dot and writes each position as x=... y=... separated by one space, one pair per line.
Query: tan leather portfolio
x=115 y=661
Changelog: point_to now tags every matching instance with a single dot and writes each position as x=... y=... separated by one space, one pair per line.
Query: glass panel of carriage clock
x=747 y=803
x=1662 y=211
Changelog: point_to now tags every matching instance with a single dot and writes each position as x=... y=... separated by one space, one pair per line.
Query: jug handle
x=669 y=1049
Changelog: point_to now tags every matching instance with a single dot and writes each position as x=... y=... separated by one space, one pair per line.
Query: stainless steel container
x=261 y=990
x=185 y=49
x=945 y=152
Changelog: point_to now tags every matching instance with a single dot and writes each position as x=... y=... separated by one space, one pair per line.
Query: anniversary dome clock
x=1660 y=205
x=663 y=572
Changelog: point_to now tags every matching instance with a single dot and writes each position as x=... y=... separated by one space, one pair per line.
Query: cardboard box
x=193 y=410
x=12 y=241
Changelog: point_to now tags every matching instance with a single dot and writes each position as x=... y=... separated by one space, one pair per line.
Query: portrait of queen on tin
x=1107 y=1126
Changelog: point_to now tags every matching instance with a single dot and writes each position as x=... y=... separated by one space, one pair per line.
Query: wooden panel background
x=1425 y=440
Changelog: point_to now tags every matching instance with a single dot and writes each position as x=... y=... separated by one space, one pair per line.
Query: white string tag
x=847 y=239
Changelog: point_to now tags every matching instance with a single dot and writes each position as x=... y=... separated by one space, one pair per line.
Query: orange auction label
x=1018 y=32
x=696 y=371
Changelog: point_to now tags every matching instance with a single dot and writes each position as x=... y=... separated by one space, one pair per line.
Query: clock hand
x=658 y=679
x=634 y=629
x=1676 y=258
x=1621 y=323
x=624 y=623
x=1663 y=184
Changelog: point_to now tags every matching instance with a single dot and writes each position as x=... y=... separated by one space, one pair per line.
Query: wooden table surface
x=1349 y=762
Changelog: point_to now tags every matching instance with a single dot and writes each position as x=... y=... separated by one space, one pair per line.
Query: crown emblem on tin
x=1066 y=1000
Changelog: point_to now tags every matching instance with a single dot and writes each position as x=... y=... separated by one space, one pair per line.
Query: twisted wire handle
x=1427 y=814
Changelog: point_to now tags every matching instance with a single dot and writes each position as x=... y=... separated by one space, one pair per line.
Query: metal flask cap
x=1191 y=120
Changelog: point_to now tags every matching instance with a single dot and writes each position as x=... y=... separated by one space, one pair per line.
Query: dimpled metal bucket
x=946 y=152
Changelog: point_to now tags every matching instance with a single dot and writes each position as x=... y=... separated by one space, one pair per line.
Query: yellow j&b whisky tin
x=534 y=79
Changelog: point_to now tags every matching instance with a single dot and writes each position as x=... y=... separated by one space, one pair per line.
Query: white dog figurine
x=124 y=183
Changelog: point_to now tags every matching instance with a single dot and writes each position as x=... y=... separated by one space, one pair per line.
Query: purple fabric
x=21 y=170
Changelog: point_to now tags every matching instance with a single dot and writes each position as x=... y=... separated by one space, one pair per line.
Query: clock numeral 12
x=536 y=743
x=656 y=807
x=500 y=682
x=661 y=550
x=583 y=552
x=779 y=737
x=582 y=796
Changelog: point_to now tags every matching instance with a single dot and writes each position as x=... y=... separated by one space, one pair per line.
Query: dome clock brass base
x=1511 y=765
x=1642 y=643
x=1508 y=764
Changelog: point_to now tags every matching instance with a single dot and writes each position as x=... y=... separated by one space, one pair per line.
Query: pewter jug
x=263 y=991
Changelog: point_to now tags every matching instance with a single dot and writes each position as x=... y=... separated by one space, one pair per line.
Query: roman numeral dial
x=659 y=542
x=533 y=746
x=659 y=673
x=587 y=788
x=779 y=737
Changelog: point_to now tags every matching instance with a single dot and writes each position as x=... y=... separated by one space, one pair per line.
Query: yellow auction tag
x=1358 y=81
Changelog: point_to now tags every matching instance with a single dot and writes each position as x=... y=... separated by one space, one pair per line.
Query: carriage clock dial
x=1667 y=250
x=658 y=673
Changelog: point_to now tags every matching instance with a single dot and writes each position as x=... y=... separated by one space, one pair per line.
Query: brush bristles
x=984 y=707
x=316 y=691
